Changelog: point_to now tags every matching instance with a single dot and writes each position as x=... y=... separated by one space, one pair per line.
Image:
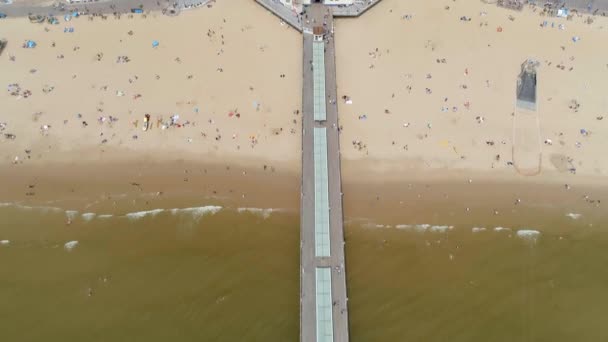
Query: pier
x=324 y=307
x=288 y=15
x=323 y=296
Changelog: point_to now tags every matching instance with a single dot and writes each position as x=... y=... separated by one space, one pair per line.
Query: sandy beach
x=427 y=96
x=213 y=82
x=432 y=90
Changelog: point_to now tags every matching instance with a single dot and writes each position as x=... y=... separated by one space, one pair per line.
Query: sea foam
x=440 y=229
x=421 y=228
x=5 y=242
x=27 y=207
x=139 y=214
x=478 y=229
x=70 y=245
x=528 y=235
x=71 y=214
x=197 y=212
x=574 y=216
x=88 y=216
x=265 y=213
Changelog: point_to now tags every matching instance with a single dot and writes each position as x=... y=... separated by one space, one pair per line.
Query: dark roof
x=526 y=86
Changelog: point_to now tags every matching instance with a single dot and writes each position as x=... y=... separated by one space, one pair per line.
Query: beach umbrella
x=155 y=43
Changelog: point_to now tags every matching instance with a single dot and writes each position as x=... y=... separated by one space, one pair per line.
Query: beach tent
x=30 y=44
x=563 y=12
x=155 y=43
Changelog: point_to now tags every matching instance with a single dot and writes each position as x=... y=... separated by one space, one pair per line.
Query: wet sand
x=102 y=188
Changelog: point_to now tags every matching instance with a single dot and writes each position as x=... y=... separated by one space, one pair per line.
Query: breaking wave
x=420 y=228
x=139 y=214
x=71 y=214
x=5 y=242
x=197 y=212
x=88 y=216
x=70 y=245
x=27 y=207
x=265 y=213
x=574 y=216
x=478 y=229
x=528 y=235
x=440 y=229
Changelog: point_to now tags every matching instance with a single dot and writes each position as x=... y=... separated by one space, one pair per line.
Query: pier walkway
x=356 y=9
x=323 y=308
x=284 y=13
x=323 y=297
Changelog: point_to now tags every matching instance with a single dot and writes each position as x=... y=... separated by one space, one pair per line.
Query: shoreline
x=231 y=114
x=142 y=185
x=406 y=197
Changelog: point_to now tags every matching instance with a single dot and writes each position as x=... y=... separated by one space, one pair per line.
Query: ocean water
x=219 y=274
x=494 y=283
x=195 y=274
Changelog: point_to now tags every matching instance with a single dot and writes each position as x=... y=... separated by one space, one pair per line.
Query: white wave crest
x=440 y=229
x=104 y=216
x=265 y=213
x=5 y=242
x=88 y=216
x=27 y=207
x=71 y=214
x=139 y=214
x=421 y=228
x=574 y=216
x=70 y=245
x=197 y=212
x=528 y=235
x=502 y=229
x=478 y=229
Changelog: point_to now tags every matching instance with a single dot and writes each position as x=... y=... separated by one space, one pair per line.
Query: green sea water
x=233 y=276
